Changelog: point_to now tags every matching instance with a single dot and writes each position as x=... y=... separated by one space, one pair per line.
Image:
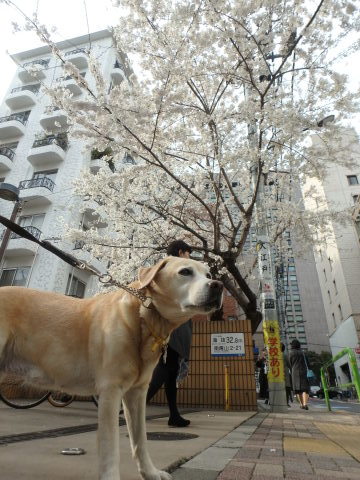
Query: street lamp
x=11 y=193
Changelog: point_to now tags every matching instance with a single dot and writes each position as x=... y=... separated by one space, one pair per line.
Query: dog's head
x=183 y=286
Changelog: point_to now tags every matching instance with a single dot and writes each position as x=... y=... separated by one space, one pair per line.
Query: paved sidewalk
x=297 y=445
x=31 y=441
x=313 y=444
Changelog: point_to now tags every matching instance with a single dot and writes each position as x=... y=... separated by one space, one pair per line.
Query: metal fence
x=205 y=385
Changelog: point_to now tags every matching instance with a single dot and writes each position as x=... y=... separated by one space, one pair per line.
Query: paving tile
x=268 y=469
x=297 y=467
x=272 y=452
x=324 y=463
x=321 y=471
x=234 y=473
x=346 y=462
x=265 y=477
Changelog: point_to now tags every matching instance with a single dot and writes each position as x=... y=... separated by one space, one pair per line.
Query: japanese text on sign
x=275 y=358
x=227 y=344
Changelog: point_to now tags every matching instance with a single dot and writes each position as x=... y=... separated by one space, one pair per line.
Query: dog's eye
x=185 y=271
x=208 y=275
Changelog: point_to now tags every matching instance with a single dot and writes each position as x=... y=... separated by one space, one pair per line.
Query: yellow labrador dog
x=108 y=345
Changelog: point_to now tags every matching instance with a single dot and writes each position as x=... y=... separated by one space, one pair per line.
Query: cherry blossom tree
x=218 y=102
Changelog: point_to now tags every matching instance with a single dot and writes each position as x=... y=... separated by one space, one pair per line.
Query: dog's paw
x=156 y=475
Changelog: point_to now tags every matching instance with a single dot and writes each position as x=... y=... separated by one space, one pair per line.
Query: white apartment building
x=44 y=166
x=338 y=264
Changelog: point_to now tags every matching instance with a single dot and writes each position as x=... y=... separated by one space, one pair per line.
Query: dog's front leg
x=108 y=434
x=134 y=406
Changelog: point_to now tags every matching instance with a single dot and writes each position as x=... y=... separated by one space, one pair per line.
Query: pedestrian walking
x=178 y=352
x=287 y=372
x=300 y=380
x=263 y=381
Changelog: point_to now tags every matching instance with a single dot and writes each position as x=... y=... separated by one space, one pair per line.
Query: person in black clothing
x=263 y=381
x=288 y=383
x=178 y=348
x=300 y=381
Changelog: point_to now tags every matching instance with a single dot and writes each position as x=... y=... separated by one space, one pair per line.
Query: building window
x=297 y=308
x=46 y=173
x=355 y=198
x=75 y=287
x=296 y=297
x=340 y=312
x=14 y=277
x=335 y=287
x=301 y=329
x=32 y=220
x=352 y=179
x=299 y=318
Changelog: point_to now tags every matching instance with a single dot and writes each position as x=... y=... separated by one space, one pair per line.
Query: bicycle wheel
x=60 y=399
x=15 y=394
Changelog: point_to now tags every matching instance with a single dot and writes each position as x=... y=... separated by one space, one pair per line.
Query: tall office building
x=38 y=156
x=338 y=262
x=300 y=307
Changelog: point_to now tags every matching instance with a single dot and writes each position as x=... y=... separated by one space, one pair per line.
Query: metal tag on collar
x=147 y=302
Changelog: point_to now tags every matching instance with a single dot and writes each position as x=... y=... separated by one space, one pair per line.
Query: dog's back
x=43 y=336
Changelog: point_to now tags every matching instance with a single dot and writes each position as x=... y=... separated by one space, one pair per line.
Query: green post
x=355 y=371
x=325 y=388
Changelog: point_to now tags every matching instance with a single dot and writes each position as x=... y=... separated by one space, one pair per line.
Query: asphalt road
x=317 y=403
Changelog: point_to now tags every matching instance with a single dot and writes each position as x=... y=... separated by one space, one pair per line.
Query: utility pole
x=271 y=326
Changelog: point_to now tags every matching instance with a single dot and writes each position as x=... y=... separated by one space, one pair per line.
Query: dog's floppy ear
x=147 y=274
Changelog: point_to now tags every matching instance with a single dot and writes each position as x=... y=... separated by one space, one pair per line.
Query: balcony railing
x=7 y=152
x=31 y=229
x=37 y=182
x=32 y=88
x=117 y=64
x=60 y=142
x=64 y=78
x=79 y=244
x=41 y=61
x=74 y=52
x=15 y=116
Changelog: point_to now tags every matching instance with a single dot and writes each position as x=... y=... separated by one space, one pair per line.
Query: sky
x=73 y=18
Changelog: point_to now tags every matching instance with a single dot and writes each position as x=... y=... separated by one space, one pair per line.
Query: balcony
x=22 y=97
x=33 y=70
x=37 y=190
x=6 y=158
x=13 y=125
x=53 y=118
x=48 y=150
x=70 y=83
x=117 y=73
x=21 y=246
x=78 y=57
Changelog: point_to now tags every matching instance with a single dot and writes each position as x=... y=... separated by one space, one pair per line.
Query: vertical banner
x=273 y=346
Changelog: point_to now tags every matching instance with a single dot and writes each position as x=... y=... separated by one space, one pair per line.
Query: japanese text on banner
x=275 y=358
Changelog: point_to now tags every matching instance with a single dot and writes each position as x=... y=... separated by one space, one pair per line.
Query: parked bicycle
x=16 y=395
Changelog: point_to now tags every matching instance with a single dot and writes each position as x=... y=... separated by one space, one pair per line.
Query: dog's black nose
x=216 y=286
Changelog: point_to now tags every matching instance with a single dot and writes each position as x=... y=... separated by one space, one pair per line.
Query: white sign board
x=227 y=344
